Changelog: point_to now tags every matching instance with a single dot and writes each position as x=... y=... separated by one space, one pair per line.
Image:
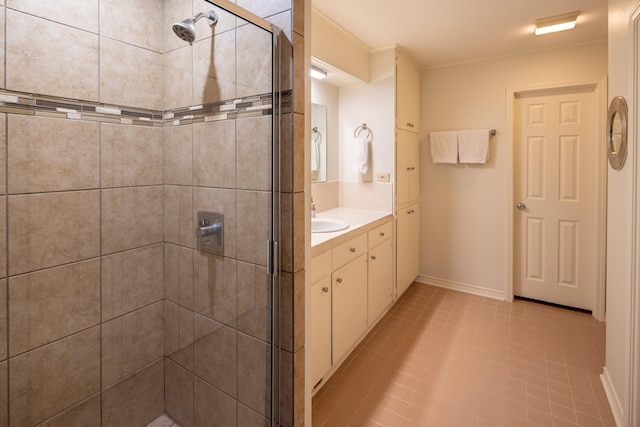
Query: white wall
x=619 y=226
x=464 y=209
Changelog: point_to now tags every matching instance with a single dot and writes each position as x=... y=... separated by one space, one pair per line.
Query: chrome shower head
x=186 y=29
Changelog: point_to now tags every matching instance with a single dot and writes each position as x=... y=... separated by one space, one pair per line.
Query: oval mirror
x=617 y=132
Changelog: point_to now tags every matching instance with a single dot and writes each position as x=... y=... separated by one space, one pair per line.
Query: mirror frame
x=617 y=107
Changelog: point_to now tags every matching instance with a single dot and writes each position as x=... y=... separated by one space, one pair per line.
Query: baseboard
x=612 y=397
x=462 y=287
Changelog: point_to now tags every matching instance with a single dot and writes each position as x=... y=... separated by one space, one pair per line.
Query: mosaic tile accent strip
x=63 y=108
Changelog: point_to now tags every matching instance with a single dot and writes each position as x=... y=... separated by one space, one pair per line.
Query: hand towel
x=315 y=152
x=444 y=147
x=361 y=155
x=473 y=145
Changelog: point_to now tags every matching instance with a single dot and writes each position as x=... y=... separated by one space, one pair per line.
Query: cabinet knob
x=412 y=168
x=352 y=249
x=410 y=125
x=412 y=211
x=325 y=289
x=408 y=168
x=373 y=257
x=382 y=234
x=339 y=280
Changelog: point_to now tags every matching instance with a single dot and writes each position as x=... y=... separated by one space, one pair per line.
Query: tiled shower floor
x=163 y=421
x=445 y=358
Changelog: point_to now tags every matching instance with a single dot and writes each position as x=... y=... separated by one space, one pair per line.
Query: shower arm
x=212 y=18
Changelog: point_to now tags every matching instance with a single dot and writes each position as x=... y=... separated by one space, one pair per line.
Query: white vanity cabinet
x=320 y=316
x=408 y=246
x=407 y=173
x=380 y=271
x=407 y=94
x=351 y=287
x=407 y=167
x=349 y=305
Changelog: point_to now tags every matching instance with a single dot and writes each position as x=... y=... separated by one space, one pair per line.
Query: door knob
x=521 y=206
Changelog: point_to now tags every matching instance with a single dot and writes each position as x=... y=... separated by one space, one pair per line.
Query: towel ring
x=359 y=129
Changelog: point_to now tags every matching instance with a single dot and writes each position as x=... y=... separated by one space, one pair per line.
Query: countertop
x=359 y=221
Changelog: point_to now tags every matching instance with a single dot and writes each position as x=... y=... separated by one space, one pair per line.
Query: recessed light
x=318 y=73
x=553 y=24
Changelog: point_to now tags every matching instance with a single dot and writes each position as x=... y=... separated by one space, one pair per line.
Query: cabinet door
x=320 y=329
x=407 y=95
x=407 y=167
x=349 y=296
x=380 y=279
x=407 y=247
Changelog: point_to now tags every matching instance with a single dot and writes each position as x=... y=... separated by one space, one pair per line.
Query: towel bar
x=359 y=129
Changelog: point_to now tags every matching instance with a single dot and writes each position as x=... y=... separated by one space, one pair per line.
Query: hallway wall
x=464 y=211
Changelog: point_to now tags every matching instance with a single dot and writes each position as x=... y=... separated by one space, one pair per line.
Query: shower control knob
x=521 y=206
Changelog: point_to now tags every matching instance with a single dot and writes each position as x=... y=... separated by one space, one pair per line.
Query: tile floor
x=445 y=358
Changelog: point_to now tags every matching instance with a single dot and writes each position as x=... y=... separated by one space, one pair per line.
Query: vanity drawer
x=380 y=234
x=320 y=266
x=349 y=250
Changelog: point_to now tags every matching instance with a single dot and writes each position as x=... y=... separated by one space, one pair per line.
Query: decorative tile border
x=64 y=108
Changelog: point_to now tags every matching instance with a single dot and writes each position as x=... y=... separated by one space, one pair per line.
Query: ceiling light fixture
x=556 y=23
x=318 y=73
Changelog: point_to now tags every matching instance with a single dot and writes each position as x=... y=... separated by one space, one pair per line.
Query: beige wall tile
x=178 y=155
x=86 y=413
x=226 y=20
x=130 y=75
x=136 y=22
x=137 y=400
x=254 y=301
x=249 y=417
x=298 y=144
x=214 y=154
x=131 y=217
x=211 y=404
x=54 y=155
x=216 y=356
x=3 y=126
x=214 y=68
x=52 y=378
x=131 y=155
x=299 y=75
x=179 y=392
x=3 y=320
x=253 y=59
x=50 y=304
x=4 y=398
x=179 y=227
x=178 y=75
x=40 y=65
x=254 y=381
x=2 y=46
x=132 y=280
x=224 y=202
x=215 y=288
x=254 y=153
x=131 y=342
x=179 y=335
x=264 y=9
x=254 y=221
x=284 y=22
x=81 y=14
x=178 y=275
x=3 y=236
x=298 y=16
x=67 y=226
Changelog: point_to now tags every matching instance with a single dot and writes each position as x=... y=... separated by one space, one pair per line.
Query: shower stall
x=140 y=212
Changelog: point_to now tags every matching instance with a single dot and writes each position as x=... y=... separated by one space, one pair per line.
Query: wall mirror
x=617 y=132
x=318 y=143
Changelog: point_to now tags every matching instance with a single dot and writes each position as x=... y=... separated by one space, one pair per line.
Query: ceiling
x=438 y=33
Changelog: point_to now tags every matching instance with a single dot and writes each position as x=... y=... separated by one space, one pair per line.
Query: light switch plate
x=382 y=177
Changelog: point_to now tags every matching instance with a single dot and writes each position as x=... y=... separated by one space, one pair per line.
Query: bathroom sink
x=327 y=225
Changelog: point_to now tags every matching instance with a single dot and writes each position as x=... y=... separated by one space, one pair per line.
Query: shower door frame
x=272 y=245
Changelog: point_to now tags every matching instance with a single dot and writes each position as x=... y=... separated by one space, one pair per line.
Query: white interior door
x=554 y=184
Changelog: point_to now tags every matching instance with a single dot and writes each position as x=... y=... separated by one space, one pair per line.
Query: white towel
x=444 y=147
x=315 y=152
x=473 y=145
x=361 y=155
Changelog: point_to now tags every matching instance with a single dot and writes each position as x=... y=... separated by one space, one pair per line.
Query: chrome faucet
x=313 y=208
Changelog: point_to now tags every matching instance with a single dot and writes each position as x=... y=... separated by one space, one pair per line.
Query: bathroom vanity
x=352 y=284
